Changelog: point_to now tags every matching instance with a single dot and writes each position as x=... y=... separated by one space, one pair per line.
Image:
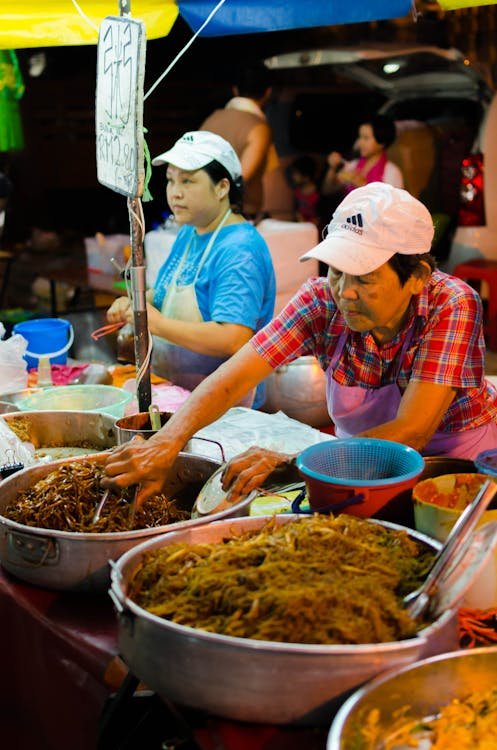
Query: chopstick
x=104 y=330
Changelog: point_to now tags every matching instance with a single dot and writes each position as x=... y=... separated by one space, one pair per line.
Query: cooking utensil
x=132 y=508
x=262 y=681
x=360 y=474
x=98 y=512
x=454 y=548
x=154 y=413
x=212 y=498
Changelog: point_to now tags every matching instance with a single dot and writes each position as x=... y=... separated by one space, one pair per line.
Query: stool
x=479 y=270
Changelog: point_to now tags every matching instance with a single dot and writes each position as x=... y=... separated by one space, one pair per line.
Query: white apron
x=179 y=365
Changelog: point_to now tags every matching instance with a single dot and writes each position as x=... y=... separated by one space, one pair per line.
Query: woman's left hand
x=250 y=469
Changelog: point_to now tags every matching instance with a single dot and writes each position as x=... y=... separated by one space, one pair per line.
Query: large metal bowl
x=421 y=688
x=299 y=390
x=61 y=434
x=78 y=561
x=248 y=680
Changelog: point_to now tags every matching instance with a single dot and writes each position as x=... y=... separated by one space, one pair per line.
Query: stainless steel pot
x=76 y=561
x=139 y=424
x=55 y=433
x=9 y=401
x=421 y=689
x=256 y=681
x=299 y=390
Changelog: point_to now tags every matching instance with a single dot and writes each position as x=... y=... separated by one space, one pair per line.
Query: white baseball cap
x=371 y=224
x=198 y=148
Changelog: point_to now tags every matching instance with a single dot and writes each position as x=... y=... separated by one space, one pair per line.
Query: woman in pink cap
x=401 y=344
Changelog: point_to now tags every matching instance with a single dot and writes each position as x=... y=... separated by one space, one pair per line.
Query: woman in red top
x=375 y=136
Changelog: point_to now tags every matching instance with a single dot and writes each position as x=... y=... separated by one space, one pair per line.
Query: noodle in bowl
x=254 y=680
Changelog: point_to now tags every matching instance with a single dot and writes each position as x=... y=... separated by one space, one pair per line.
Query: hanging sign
x=119 y=105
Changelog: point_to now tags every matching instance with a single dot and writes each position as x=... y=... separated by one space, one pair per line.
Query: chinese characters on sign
x=119 y=105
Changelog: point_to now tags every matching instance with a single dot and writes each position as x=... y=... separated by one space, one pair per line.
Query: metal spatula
x=455 y=547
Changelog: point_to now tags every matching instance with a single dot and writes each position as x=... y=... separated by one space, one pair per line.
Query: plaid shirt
x=447 y=345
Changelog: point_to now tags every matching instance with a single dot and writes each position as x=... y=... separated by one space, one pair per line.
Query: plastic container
x=358 y=475
x=105 y=399
x=49 y=337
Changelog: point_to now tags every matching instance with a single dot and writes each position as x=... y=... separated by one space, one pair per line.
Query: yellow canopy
x=457 y=4
x=49 y=23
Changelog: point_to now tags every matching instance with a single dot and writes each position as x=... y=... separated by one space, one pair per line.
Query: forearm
x=207 y=337
x=214 y=396
x=420 y=412
x=401 y=432
x=330 y=182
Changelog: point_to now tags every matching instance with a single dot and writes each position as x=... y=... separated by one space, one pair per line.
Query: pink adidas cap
x=370 y=225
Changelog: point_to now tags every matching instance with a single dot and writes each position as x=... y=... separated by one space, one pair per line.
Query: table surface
x=62 y=661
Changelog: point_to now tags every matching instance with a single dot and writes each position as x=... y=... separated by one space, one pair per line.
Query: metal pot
x=9 y=401
x=75 y=561
x=435 y=466
x=256 y=681
x=139 y=424
x=57 y=433
x=299 y=390
x=418 y=690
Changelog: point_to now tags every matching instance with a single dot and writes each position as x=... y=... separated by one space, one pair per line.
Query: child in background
x=303 y=179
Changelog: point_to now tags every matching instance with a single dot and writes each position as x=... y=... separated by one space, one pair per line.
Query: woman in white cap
x=401 y=345
x=217 y=286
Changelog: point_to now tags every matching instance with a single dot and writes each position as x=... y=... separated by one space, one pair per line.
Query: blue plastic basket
x=358 y=474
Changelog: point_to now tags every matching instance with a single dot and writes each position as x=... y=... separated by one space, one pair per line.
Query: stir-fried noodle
x=66 y=500
x=317 y=580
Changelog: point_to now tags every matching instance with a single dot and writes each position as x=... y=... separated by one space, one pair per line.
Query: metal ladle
x=455 y=547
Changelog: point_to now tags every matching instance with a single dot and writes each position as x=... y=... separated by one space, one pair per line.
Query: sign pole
x=138 y=286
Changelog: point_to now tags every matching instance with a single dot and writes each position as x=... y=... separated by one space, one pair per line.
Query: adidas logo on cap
x=356 y=220
x=354 y=223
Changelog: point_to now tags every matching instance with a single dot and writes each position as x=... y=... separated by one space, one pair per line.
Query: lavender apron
x=354 y=410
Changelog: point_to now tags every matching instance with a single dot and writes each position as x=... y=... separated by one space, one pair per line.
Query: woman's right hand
x=120 y=311
x=335 y=159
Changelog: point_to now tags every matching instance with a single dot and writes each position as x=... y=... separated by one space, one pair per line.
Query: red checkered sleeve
x=451 y=349
x=307 y=325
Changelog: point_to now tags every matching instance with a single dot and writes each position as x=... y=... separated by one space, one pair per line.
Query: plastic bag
x=13 y=366
x=241 y=428
x=12 y=450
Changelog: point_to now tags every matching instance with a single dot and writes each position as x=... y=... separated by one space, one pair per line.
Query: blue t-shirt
x=236 y=283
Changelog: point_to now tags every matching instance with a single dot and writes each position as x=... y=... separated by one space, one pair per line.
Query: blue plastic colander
x=362 y=472
x=366 y=461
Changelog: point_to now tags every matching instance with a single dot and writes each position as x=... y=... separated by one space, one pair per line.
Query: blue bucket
x=46 y=337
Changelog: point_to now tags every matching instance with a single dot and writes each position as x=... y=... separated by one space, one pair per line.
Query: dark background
x=54 y=176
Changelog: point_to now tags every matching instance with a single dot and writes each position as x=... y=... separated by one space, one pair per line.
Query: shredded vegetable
x=318 y=580
x=469 y=723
